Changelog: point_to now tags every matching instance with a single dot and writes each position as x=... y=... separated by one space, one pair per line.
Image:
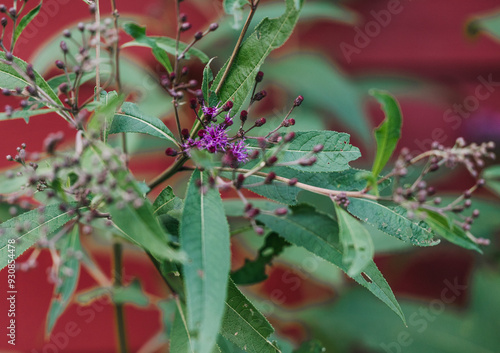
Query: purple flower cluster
x=214 y=138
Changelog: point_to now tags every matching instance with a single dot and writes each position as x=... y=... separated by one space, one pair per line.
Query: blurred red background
x=425 y=40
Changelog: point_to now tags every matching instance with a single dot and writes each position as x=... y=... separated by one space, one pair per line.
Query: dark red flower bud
x=3 y=21
x=67 y=33
x=9 y=56
x=64 y=47
x=281 y=211
x=193 y=103
x=260 y=95
x=183 y=17
x=6 y=92
x=293 y=182
x=243 y=115
x=298 y=101
x=193 y=83
x=270 y=177
x=171 y=152
x=272 y=160
x=290 y=136
x=59 y=64
x=260 y=122
x=185 y=133
x=255 y=154
x=63 y=87
x=318 y=148
x=198 y=35
x=480 y=182
x=239 y=182
x=12 y=12
x=185 y=26
x=259 y=76
x=92 y=9
x=201 y=133
x=291 y=121
x=214 y=26
x=228 y=106
x=184 y=71
x=3 y=8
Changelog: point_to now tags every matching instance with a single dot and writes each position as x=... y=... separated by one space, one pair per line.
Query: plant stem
x=183 y=159
x=119 y=312
x=97 y=51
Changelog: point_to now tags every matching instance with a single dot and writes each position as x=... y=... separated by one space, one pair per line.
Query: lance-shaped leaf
x=69 y=271
x=26 y=114
x=254 y=271
x=244 y=325
x=356 y=242
x=11 y=79
x=389 y=132
x=451 y=231
x=269 y=35
x=139 y=34
x=393 y=221
x=204 y=237
x=131 y=119
x=29 y=227
x=319 y=234
x=24 y=22
x=168 y=44
x=167 y=203
x=208 y=77
x=335 y=156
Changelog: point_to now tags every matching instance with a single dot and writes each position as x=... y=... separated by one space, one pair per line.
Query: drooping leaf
x=139 y=34
x=269 y=35
x=133 y=221
x=356 y=242
x=180 y=338
x=168 y=44
x=492 y=177
x=254 y=271
x=102 y=120
x=131 y=119
x=26 y=114
x=388 y=133
x=31 y=229
x=24 y=22
x=449 y=230
x=244 y=325
x=204 y=237
x=392 y=221
x=69 y=271
x=319 y=234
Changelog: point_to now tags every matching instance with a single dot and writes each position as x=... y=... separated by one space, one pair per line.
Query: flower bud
x=318 y=148
x=183 y=17
x=259 y=77
x=9 y=56
x=239 y=181
x=270 y=177
x=198 y=35
x=243 y=116
x=193 y=83
x=59 y=64
x=81 y=26
x=272 y=160
x=6 y=92
x=260 y=95
x=185 y=26
x=63 y=87
x=260 y=122
x=213 y=27
x=193 y=103
x=64 y=47
x=282 y=211
x=3 y=8
x=12 y=12
x=291 y=122
x=228 y=106
x=67 y=33
x=290 y=136
x=298 y=101
x=171 y=152
x=185 y=133
x=3 y=21
x=293 y=182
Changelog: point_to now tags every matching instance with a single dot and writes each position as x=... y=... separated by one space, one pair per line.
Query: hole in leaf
x=366 y=277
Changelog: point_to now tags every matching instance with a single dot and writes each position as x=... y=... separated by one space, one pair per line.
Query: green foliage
x=254 y=271
x=204 y=237
x=139 y=34
x=392 y=220
x=208 y=77
x=24 y=22
x=69 y=271
x=319 y=234
x=356 y=242
x=269 y=35
x=489 y=24
x=492 y=177
x=102 y=119
x=27 y=228
x=131 y=119
x=388 y=133
x=235 y=8
x=311 y=347
x=244 y=325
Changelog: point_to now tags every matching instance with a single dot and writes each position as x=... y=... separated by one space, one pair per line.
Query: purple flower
x=210 y=112
x=239 y=151
x=214 y=139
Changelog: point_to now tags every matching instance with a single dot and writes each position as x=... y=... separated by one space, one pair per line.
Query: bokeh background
x=418 y=50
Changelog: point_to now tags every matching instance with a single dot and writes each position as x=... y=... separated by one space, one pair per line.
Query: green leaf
x=335 y=156
x=207 y=78
x=311 y=347
x=389 y=132
x=131 y=119
x=489 y=24
x=168 y=44
x=319 y=234
x=69 y=270
x=139 y=34
x=167 y=203
x=131 y=293
x=450 y=230
x=204 y=237
x=26 y=114
x=244 y=325
x=33 y=230
x=269 y=35
x=11 y=79
x=356 y=242
x=235 y=8
x=492 y=177
x=24 y=22
x=325 y=89
x=102 y=119
x=133 y=220
x=180 y=339
x=254 y=271
x=392 y=220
